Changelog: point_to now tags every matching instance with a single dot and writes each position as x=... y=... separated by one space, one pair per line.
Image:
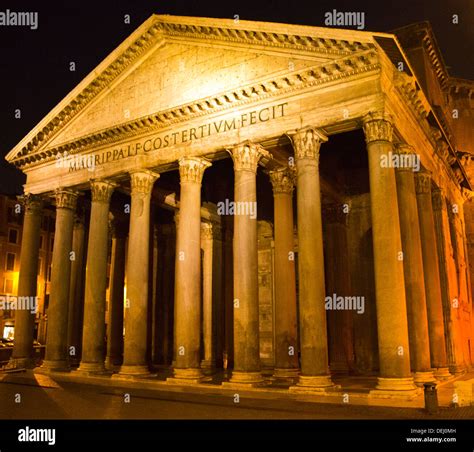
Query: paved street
x=44 y=398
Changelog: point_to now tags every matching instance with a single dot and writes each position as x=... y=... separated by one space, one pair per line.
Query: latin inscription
x=182 y=136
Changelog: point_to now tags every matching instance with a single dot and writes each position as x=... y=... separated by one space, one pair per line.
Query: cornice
x=320 y=45
x=316 y=76
x=406 y=86
x=420 y=107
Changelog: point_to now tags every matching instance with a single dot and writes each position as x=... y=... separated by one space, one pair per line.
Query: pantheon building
x=249 y=204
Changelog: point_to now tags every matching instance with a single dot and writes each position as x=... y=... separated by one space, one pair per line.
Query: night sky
x=35 y=73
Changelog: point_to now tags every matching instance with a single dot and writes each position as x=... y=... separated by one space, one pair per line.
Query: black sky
x=35 y=73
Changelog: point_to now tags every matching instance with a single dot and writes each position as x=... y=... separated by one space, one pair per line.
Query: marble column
x=392 y=323
x=56 y=357
x=211 y=296
x=136 y=307
x=165 y=302
x=286 y=347
x=245 y=268
x=209 y=344
x=228 y=296
x=448 y=282
x=76 y=292
x=22 y=355
x=187 y=318
x=413 y=270
x=93 y=336
x=314 y=374
x=156 y=298
x=431 y=275
x=113 y=359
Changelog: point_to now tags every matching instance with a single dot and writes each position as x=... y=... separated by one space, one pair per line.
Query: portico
x=205 y=112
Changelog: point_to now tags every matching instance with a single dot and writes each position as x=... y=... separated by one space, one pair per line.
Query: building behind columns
x=255 y=204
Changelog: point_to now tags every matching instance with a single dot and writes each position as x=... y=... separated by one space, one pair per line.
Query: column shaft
x=93 y=339
x=413 y=271
x=188 y=273
x=286 y=347
x=136 y=312
x=245 y=268
x=452 y=278
x=313 y=327
x=116 y=295
x=431 y=275
x=22 y=355
x=209 y=301
x=392 y=323
x=76 y=292
x=56 y=357
x=228 y=295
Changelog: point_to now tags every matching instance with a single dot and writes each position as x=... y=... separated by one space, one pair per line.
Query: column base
x=186 y=376
x=423 y=377
x=112 y=364
x=244 y=380
x=132 y=371
x=91 y=368
x=458 y=369
x=442 y=373
x=208 y=366
x=310 y=384
x=21 y=363
x=395 y=388
x=54 y=366
x=286 y=375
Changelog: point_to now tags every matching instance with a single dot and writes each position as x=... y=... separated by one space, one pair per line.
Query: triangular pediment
x=177 y=74
x=170 y=62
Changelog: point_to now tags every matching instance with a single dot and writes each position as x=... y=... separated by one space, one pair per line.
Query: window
x=13 y=235
x=49 y=273
x=51 y=243
x=39 y=266
x=10 y=262
x=41 y=242
x=8 y=286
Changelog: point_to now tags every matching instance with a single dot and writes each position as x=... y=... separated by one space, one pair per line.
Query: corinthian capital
x=423 y=182
x=307 y=142
x=142 y=181
x=66 y=198
x=101 y=190
x=283 y=180
x=211 y=231
x=247 y=155
x=33 y=203
x=378 y=127
x=191 y=169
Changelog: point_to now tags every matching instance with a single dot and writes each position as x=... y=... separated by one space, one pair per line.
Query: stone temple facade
x=285 y=203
